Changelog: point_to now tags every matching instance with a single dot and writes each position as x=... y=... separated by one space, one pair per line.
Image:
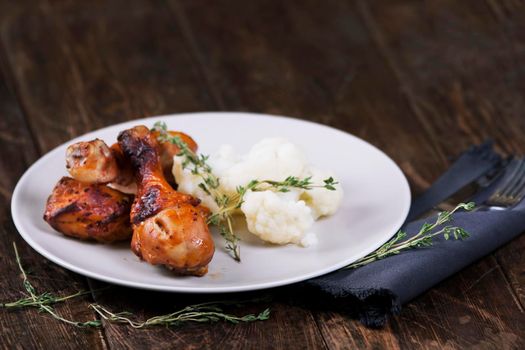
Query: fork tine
x=520 y=186
x=515 y=183
x=508 y=180
x=519 y=196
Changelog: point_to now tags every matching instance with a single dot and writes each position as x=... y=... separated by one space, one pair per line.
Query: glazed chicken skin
x=169 y=228
x=89 y=211
x=94 y=162
x=168 y=150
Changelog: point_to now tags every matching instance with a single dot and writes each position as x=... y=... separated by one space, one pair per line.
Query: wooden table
x=422 y=81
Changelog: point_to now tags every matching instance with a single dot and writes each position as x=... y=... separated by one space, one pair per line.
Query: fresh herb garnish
x=227 y=204
x=198 y=166
x=423 y=238
x=44 y=301
x=205 y=312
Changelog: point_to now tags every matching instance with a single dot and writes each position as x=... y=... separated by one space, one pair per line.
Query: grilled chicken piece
x=91 y=162
x=168 y=150
x=89 y=211
x=169 y=228
x=95 y=162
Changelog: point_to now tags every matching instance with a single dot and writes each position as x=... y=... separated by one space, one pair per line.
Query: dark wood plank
x=27 y=328
x=289 y=327
x=389 y=68
x=511 y=260
x=312 y=62
x=473 y=309
x=114 y=62
x=329 y=64
x=473 y=74
x=508 y=15
x=339 y=333
x=459 y=66
x=107 y=62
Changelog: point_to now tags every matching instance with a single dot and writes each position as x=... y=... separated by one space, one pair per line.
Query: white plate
x=375 y=204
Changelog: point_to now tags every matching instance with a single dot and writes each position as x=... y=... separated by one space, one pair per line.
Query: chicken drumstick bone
x=169 y=228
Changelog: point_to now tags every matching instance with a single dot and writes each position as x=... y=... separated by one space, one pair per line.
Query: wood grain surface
x=420 y=80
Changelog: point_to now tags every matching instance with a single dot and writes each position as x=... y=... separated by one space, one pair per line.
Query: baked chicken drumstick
x=89 y=211
x=94 y=162
x=169 y=228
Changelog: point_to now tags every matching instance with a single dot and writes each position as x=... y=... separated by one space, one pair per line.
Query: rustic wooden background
x=422 y=80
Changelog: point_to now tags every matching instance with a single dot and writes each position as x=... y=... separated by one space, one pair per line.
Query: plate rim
x=16 y=217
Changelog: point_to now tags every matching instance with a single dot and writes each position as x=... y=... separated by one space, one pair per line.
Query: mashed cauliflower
x=275 y=217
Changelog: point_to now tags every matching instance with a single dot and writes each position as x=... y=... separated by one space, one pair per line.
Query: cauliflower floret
x=276 y=217
x=223 y=159
x=270 y=159
x=323 y=202
x=309 y=239
x=189 y=183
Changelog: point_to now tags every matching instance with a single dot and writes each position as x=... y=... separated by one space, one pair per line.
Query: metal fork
x=511 y=190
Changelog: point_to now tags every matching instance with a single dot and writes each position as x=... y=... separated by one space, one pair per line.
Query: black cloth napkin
x=377 y=290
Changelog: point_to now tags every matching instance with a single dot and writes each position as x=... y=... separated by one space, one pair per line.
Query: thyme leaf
x=424 y=238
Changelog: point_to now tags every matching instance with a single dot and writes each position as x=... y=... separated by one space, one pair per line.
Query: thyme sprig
x=210 y=184
x=205 y=312
x=236 y=200
x=228 y=204
x=424 y=237
x=201 y=313
x=290 y=182
x=44 y=301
